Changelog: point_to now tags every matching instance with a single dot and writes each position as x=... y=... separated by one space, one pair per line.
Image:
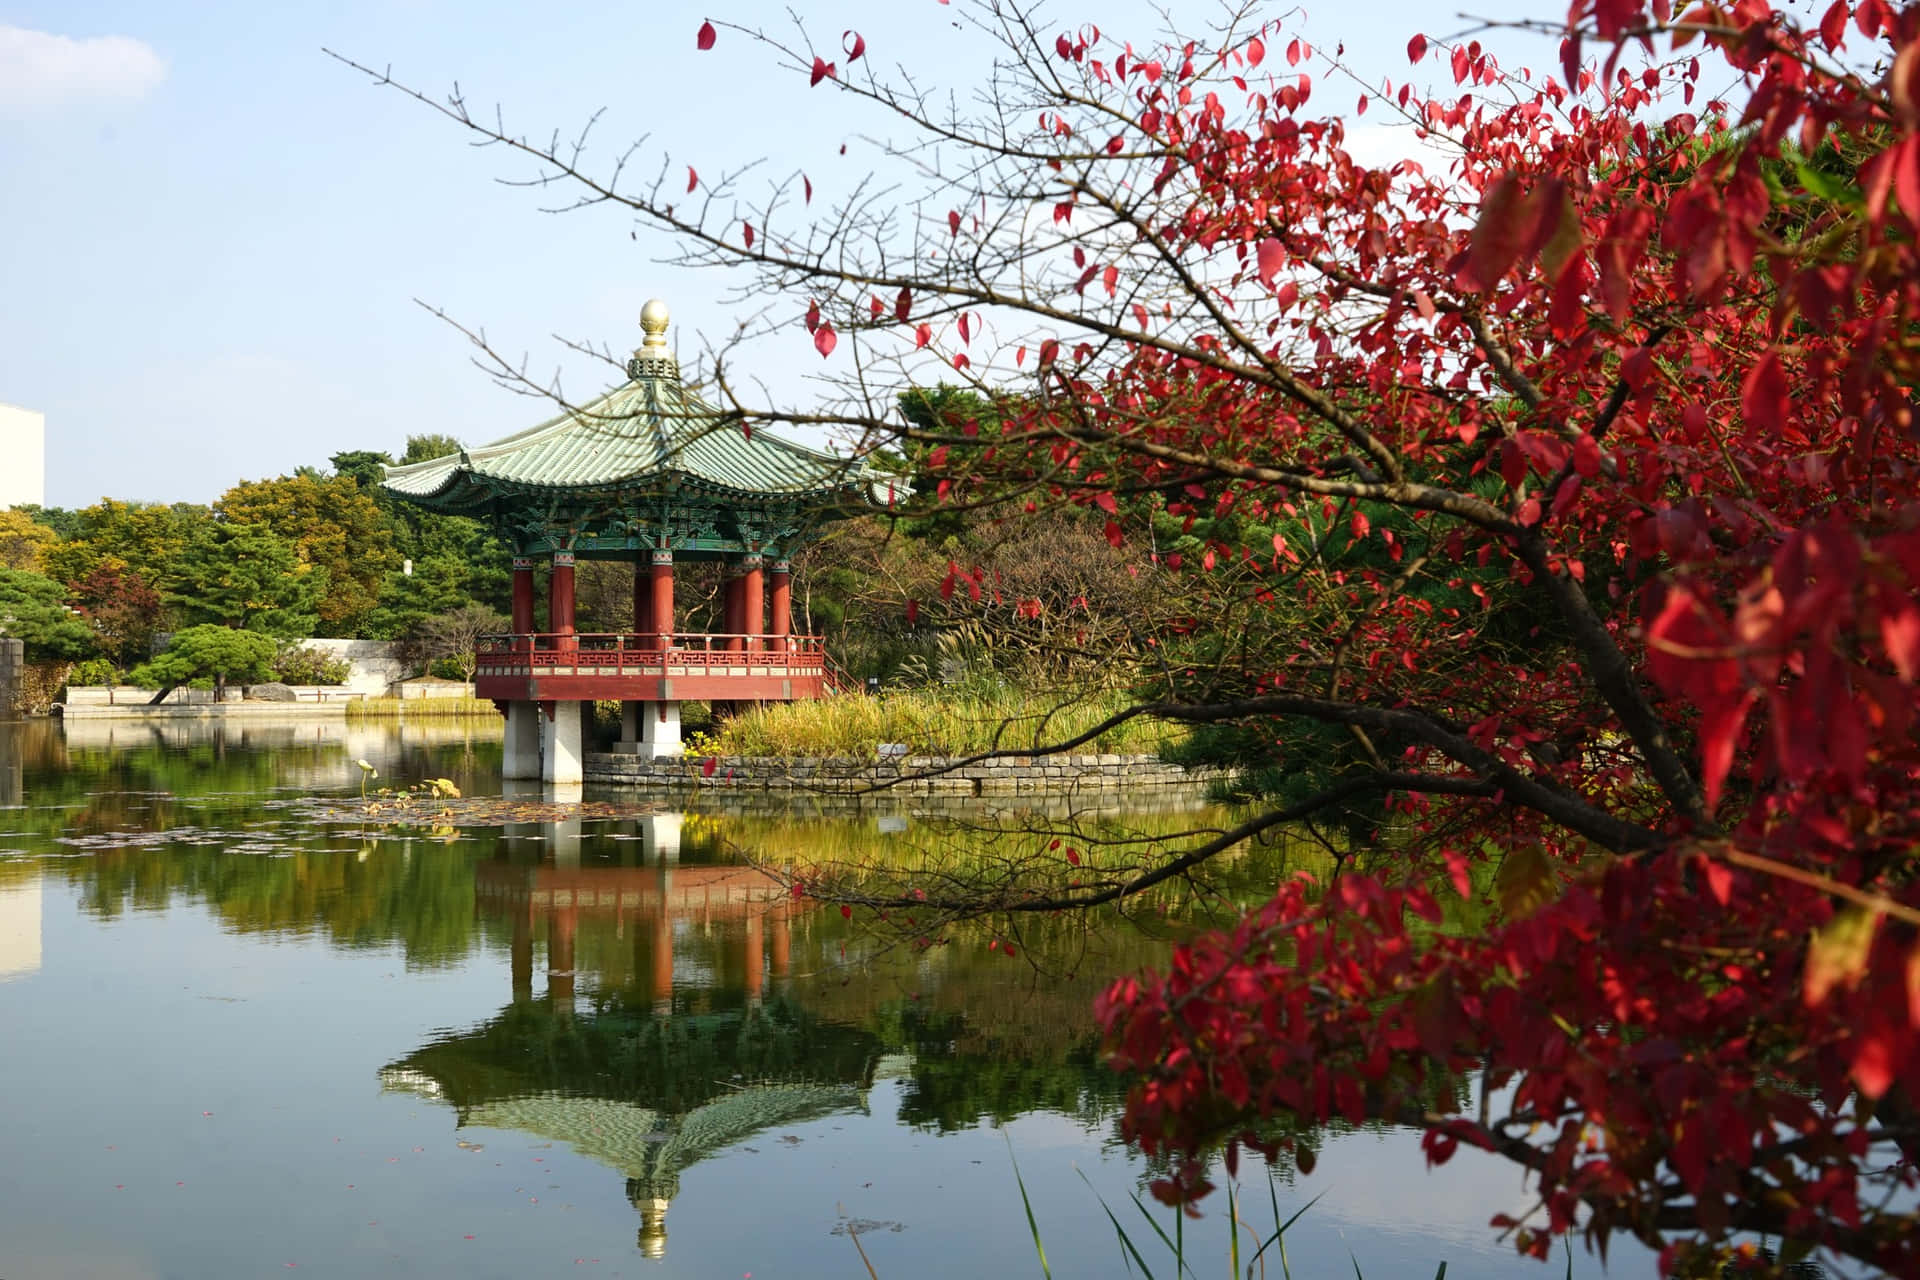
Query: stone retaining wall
x=13 y=663
x=913 y=776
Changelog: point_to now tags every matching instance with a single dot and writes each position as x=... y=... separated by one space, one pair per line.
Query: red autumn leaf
x=822 y=70
x=903 y=305
x=1587 y=460
x=1900 y=636
x=693 y=179
x=1498 y=236
x=1256 y=51
x=857 y=48
x=953 y=222
x=824 y=339
x=748 y=234
x=1114 y=535
x=806 y=187
x=1416 y=48
x=706 y=37
x=813 y=315
x=846 y=912
x=1271 y=257
x=1763 y=395
x=707 y=767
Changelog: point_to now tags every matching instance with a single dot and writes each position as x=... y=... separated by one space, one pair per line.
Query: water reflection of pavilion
x=646 y=900
x=667 y=1067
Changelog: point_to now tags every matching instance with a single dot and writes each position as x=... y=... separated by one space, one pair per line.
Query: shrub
x=94 y=671
x=297 y=664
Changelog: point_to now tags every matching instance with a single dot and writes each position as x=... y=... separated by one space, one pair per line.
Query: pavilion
x=649 y=474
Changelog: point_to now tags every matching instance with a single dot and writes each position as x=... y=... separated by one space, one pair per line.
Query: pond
x=247 y=1031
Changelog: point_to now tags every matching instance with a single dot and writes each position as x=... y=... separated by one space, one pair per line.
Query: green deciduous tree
x=145 y=537
x=333 y=526
x=22 y=540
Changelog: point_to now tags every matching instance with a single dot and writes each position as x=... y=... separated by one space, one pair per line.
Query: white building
x=23 y=457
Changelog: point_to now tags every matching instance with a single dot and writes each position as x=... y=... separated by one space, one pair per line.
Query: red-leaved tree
x=1633 y=365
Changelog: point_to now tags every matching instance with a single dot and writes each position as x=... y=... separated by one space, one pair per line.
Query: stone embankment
x=911 y=776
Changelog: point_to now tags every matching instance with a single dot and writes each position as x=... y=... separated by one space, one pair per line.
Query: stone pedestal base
x=520 y=760
x=561 y=747
x=650 y=730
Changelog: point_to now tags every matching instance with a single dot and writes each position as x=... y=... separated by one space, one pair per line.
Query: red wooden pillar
x=780 y=624
x=522 y=595
x=730 y=611
x=560 y=601
x=643 y=628
x=661 y=570
x=753 y=602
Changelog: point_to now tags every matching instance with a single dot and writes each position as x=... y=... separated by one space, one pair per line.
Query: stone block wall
x=913 y=776
x=13 y=662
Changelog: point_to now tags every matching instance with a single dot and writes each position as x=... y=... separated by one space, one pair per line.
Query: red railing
x=690 y=653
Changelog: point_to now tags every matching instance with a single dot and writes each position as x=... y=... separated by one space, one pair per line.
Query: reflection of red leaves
x=846 y=912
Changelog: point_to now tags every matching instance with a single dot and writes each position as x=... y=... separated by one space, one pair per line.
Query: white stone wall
x=23 y=457
x=377 y=664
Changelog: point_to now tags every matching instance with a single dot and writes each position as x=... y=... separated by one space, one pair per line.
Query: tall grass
x=1178 y=1262
x=373 y=710
x=936 y=721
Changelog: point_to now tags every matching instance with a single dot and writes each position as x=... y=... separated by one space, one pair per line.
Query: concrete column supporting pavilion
x=561 y=744
x=520 y=758
x=659 y=730
x=780 y=619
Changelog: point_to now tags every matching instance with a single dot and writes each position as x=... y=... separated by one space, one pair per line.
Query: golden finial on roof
x=653 y=359
x=653 y=319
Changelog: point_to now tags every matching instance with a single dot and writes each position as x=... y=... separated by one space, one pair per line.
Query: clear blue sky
x=211 y=234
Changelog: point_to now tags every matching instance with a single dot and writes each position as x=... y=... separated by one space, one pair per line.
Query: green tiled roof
x=650 y=434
